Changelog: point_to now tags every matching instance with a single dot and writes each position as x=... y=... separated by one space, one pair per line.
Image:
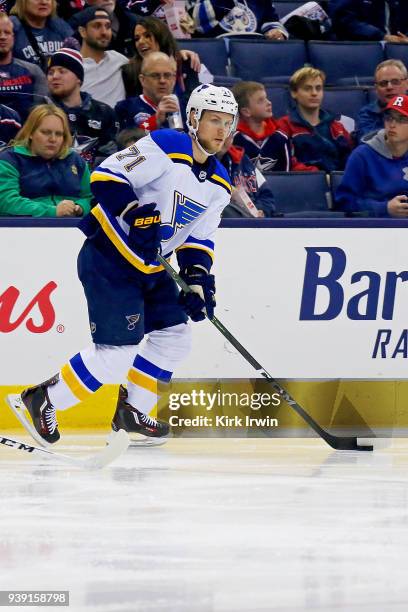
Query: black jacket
x=365 y=19
x=92 y=120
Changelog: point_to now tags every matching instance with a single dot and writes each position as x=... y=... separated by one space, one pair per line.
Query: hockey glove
x=201 y=301
x=145 y=232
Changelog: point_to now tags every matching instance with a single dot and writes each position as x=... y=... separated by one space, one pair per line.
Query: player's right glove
x=145 y=231
x=202 y=299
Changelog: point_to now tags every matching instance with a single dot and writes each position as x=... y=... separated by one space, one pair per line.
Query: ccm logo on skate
x=8 y=321
x=147 y=221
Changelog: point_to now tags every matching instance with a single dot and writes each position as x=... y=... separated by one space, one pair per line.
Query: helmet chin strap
x=200 y=146
x=193 y=131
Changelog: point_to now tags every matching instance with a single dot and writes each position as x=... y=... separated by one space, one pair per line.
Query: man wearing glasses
x=390 y=80
x=375 y=181
x=152 y=109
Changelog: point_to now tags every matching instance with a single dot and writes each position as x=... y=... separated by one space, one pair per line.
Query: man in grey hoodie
x=375 y=181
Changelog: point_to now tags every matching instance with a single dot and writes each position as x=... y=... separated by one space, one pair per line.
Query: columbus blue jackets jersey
x=160 y=168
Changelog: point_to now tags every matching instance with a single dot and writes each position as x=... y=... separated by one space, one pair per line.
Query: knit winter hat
x=69 y=59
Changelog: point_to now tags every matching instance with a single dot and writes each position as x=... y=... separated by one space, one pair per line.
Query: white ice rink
x=211 y=525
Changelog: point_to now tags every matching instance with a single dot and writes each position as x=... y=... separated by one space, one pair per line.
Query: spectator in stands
x=390 y=79
x=157 y=9
x=375 y=181
x=215 y=17
x=21 y=84
x=40 y=176
x=247 y=181
x=150 y=110
x=10 y=124
x=129 y=136
x=153 y=35
x=37 y=31
x=123 y=24
x=103 y=75
x=92 y=123
x=67 y=8
x=258 y=133
x=318 y=140
x=366 y=20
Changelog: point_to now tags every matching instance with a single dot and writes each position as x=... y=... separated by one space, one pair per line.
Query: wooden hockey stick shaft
x=337 y=442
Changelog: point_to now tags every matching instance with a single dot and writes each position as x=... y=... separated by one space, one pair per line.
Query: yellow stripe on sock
x=137 y=378
x=73 y=383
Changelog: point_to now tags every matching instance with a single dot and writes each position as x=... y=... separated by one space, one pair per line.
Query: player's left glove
x=202 y=301
x=145 y=231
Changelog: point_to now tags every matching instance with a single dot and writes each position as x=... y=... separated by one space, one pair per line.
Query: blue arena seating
x=280 y=98
x=284 y=8
x=225 y=81
x=346 y=63
x=335 y=180
x=299 y=192
x=212 y=52
x=397 y=51
x=371 y=94
x=253 y=60
x=345 y=100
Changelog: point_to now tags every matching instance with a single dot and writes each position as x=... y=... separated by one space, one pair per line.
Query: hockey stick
x=116 y=447
x=337 y=442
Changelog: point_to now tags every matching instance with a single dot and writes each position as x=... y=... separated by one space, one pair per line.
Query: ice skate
x=36 y=413
x=143 y=430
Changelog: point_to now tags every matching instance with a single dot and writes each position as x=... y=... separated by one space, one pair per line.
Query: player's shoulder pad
x=176 y=145
x=221 y=177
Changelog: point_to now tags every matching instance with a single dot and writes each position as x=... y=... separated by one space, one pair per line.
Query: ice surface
x=210 y=525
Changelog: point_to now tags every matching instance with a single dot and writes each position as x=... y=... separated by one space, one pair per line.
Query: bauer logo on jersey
x=184 y=212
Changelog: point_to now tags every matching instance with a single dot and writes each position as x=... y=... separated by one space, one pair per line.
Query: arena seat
x=335 y=180
x=225 y=81
x=299 y=192
x=397 y=51
x=371 y=94
x=280 y=98
x=346 y=63
x=212 y=52
x=284 y=8
x=345 y=100
x=253 y=60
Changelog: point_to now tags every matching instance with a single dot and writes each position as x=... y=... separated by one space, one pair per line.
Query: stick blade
x=377 y=443
x=117 y=445
x=348 y=442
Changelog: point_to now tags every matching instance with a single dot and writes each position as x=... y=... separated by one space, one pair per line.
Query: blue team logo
x=185 y=211
x=239 y=19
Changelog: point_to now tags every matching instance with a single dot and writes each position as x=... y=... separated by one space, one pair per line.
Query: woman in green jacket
x=40 y=176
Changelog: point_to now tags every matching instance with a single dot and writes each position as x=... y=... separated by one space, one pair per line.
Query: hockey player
x=167 y=192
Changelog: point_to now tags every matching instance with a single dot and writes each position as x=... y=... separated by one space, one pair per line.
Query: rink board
x=312 y=304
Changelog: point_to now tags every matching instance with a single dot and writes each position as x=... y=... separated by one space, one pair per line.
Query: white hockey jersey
x=160 y=168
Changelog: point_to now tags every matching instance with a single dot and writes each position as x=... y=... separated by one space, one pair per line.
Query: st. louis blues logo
x=132 y=320
x=185 y=211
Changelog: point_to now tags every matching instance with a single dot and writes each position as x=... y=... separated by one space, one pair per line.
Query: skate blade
x=137 y=440
x=18 y=407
